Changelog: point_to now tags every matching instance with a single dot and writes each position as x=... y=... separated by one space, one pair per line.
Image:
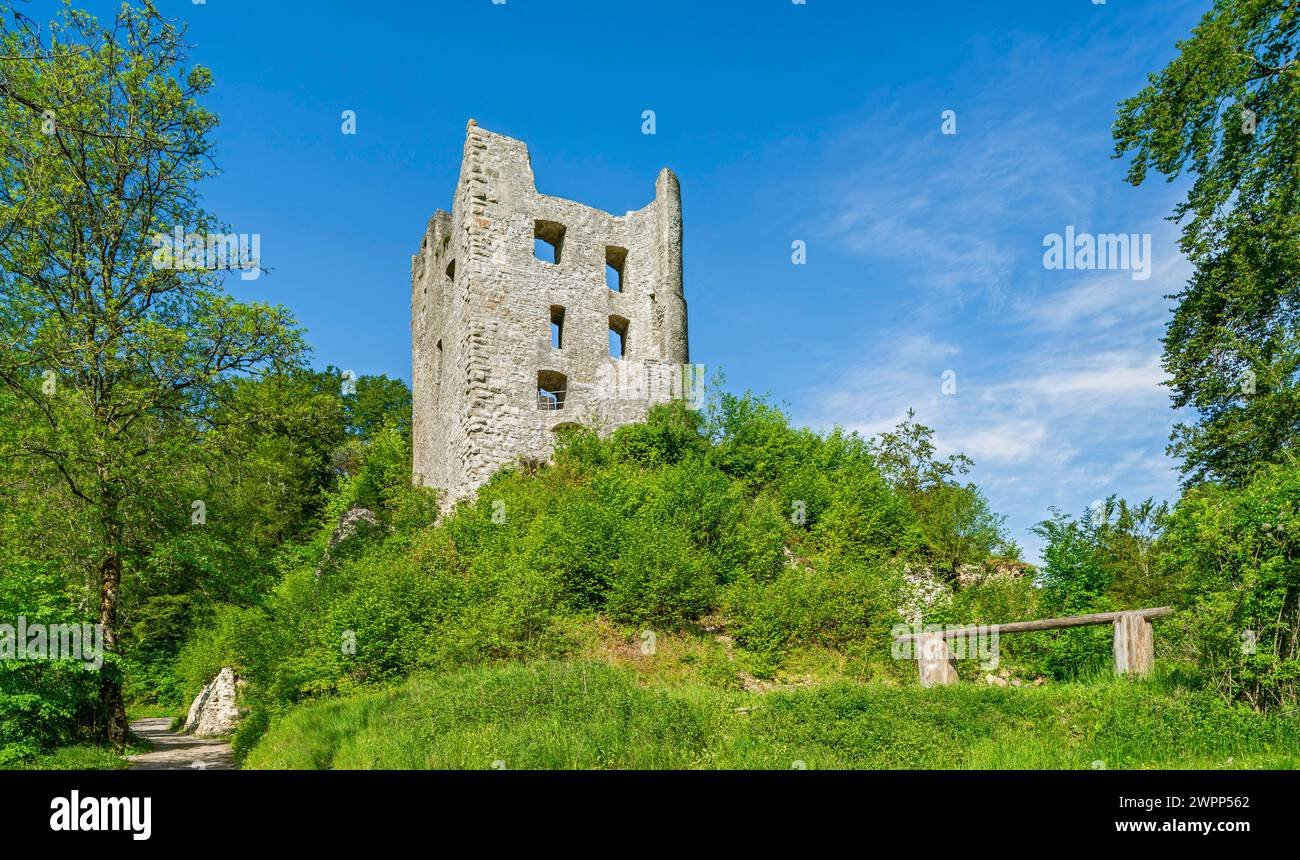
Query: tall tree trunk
x=112 y=708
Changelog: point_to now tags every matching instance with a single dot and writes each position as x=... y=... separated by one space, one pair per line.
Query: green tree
x=1236 y=552
x=1108 y=558
x=378 y=401
x=1226 y=111
x=115 y=366
x=955 y=522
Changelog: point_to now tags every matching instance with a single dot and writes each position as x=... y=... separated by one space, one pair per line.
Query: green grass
x=584 y=715
x=81 y=757
x=552 y=715
x=1121 y=724
x=85 y=756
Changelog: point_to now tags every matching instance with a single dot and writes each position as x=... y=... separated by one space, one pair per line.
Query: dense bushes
x=832 y=603
x=44 y=703
x=1235 y=557
x=797 y=539
x=783 y=539
x=1226 y=557
x=246 y=506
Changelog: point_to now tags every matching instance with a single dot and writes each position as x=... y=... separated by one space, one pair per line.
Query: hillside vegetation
x=591 y=715
x=701 y=589
x=784 y=538
x=719 y=573
x=725 y=560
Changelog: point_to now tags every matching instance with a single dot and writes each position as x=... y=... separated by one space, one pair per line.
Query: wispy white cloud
x=1109 y=303
x=949 y=231
x=1080 y=383
x=1059 y=384
x=1004 y=441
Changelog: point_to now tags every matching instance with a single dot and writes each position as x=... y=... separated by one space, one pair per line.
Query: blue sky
x=818 y=122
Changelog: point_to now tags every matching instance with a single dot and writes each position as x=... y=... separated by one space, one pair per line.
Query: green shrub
x=659 y=576
x=670 y=433
x=831 y=603
x=1236 y=553
x=44 y=705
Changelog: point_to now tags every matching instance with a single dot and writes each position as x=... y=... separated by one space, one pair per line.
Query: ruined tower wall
x=482 y=334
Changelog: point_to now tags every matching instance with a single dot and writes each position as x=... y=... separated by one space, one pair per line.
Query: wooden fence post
x=1134 y=645
x=938 y=665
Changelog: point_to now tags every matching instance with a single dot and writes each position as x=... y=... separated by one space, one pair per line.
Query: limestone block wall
x=482 y=304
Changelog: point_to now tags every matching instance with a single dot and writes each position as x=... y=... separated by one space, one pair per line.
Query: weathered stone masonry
x=483 y=305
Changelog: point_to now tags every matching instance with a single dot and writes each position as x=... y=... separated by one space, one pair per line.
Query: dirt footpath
x=172 y=751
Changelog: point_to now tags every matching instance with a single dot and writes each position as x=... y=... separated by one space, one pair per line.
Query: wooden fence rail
x=1134 y=643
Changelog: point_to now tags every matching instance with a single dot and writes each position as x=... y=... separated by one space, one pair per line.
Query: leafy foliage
x=1104 y=560
x=660 y=525
x=1236 y=553
x=113 y=364
x=1226 y=111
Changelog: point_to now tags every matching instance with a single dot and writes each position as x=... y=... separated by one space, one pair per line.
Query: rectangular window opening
x=615 y=259
x=557 y=327
x=618 y=337
x=548 y=241
x=551 y=390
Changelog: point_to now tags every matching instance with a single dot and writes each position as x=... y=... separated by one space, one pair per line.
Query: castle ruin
x=509 y=347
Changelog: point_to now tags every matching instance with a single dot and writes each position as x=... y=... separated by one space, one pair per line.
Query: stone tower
x=507 y=346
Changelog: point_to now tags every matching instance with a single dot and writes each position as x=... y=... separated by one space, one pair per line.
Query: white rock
x=215 y=711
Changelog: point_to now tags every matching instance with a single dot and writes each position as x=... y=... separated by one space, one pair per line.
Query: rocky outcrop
x=355 y=519
x=991 y=570
x=215 y=711
x=1005 y=678
x=926 y=590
